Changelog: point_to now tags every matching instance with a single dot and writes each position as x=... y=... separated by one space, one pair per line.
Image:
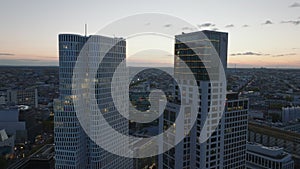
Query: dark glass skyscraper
x=204 y=52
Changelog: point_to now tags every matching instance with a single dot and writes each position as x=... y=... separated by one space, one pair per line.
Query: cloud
x=147 y=23
x=294 y=5
x=215 y=29
x=27 y=62
x=167 y=25
x=229 y=26
x=7 y=54
x=30 y=60
x=249 y=54
x=287 y=54
x=292 y=22
x=268 y=22
x=188 y=28
x=246 y=26
x=261 y=54
x=206 y=25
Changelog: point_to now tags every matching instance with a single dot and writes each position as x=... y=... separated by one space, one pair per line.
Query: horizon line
x=155 y=67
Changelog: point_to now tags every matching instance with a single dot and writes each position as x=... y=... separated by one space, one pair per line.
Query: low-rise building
x=9 y=120
x=6 y=143
x=290 y=113
x=261 y=157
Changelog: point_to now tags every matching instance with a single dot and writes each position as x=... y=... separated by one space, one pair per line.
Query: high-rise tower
x=204 y=142
x=70 y=139
x=74 y=149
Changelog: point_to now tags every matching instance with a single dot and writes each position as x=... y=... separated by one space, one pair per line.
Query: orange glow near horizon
x=166 y=60
x=264 y=61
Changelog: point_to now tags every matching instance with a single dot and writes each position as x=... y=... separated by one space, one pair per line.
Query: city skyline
x=150 y=84
x=259 y=37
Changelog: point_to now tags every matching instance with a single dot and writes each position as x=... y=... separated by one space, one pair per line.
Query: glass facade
x=74 y=149
x=204 y=52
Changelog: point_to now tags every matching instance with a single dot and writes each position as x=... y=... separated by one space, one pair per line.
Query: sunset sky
x=262 y=33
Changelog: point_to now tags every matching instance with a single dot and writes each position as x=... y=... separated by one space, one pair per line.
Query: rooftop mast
x=85 y=30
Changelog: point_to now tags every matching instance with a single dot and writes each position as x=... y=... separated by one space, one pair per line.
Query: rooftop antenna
x=85 y=29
